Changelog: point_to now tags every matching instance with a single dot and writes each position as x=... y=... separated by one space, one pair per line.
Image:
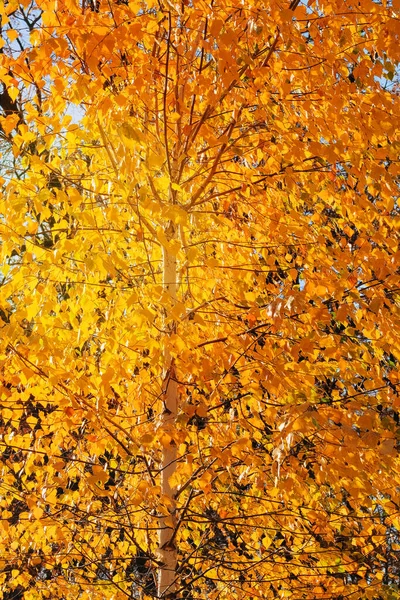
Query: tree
x=199 y=300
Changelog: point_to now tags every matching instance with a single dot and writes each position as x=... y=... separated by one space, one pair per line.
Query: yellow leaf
x=12 y=34
x=31 y=421
x=100 y=474
x=146 y=439
x=13 y=92
x=212 y=574
x=202 y=410
x=130 y=132
x=320 y=290
x=266 y=541
x=37 y=512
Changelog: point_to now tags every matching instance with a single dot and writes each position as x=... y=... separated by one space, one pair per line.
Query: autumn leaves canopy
x=199 y=300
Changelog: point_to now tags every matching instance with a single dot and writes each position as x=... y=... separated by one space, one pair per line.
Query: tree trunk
x=167 y=549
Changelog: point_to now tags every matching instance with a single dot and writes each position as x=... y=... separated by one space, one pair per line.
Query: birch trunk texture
x=167 y=548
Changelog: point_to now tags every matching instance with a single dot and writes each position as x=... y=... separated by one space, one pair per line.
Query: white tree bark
x=167 y=548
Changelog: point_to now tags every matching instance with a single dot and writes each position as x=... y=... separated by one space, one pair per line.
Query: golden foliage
x=256 y=143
